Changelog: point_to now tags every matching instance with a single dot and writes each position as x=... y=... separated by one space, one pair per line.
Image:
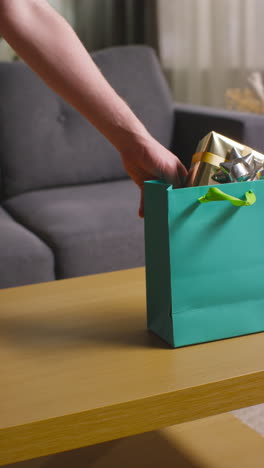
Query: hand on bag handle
x=215 y=194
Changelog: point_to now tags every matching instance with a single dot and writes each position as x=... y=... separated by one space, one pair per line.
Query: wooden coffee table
x=78 y=367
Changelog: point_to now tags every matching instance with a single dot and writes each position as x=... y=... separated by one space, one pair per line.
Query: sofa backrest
x=45 y=143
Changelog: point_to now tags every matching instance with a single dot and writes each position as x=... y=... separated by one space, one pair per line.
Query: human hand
x=149 y=160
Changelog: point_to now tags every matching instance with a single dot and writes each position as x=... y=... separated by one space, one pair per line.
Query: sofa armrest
x=191 y=123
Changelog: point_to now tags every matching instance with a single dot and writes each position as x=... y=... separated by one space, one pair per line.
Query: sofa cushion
x=91 y=228
x=45 y=143
x=1 y=179
x=25 y=259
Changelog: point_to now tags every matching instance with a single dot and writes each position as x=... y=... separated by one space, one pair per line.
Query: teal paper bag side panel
x=216 y=264
x=159 y=318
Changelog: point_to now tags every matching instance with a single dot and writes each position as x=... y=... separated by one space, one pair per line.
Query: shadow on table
x=53 y=333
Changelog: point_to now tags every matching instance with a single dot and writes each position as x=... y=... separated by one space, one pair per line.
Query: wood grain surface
x=220 y=441
x=78 y=367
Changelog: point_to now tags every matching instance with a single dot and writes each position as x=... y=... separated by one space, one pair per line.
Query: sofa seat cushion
x=90 y=228
x=25 y=259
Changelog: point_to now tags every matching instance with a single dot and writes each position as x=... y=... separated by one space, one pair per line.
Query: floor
x=253 y=417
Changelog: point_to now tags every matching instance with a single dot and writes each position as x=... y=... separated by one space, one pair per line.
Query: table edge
x=46 y=437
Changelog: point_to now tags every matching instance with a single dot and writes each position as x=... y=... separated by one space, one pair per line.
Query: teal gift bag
x=204 y=261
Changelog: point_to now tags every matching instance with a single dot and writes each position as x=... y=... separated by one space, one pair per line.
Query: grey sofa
x=67 y=207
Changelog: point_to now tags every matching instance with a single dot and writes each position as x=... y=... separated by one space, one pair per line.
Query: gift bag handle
x=215 y=194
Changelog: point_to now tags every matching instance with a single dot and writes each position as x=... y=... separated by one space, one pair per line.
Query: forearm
x=51 y=48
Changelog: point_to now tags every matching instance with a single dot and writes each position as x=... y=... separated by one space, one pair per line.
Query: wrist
x=131 y=140
x=119 y=124
x=128 y=133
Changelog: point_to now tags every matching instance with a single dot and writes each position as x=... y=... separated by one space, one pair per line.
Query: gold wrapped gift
x=212 y=150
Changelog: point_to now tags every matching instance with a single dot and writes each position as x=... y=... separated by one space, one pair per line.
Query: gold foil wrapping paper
x=212 y=150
